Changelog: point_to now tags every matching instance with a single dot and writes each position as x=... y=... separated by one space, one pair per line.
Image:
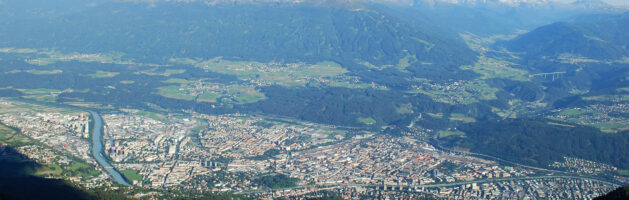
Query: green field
x=131 y=175
x=157 y=72
x=47 y=57
x=572 y=112
x=623 y=89
x=41 y=94
x=44 y=72
x=403 y=63
x=462 y=118
x=49 y=170
x=244 y=94
x=103 y=74
x=208 y=97
x=82 y=169
x=18 y=107
x=177 y=80
x=607 y=98
x=366 y=120
x=406 y=62
x=468 y=92
x=442 y=134
x=404 y=109
x=152 y=115
x=611 y=127
x=289 y=75
x=491 y=68
x=233 y=94
x=175 y=92
x=435 y=115
x=10 y=137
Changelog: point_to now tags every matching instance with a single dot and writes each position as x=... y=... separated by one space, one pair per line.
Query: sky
x=611 y=2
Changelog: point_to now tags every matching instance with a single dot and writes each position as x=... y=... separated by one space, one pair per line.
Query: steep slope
x=604 y=39
x=618 y=194
x=262 y=32
x=11 y=10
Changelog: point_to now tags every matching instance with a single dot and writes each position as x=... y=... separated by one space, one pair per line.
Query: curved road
x=97 y=150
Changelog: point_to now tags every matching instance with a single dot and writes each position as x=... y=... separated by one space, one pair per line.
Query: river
x=97 y=150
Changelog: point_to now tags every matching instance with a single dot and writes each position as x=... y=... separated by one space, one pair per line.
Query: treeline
x=540 y=142
x=276 y=181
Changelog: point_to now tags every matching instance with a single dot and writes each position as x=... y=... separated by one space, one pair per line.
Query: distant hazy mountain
x=263 y=32
x=592 y=4
x=603 y=38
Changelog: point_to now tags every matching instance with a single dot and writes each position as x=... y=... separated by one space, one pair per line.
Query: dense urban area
x=267 y=157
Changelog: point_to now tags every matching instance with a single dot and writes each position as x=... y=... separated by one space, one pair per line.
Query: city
x=229 y=153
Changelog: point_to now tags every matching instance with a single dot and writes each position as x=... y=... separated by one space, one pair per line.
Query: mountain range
x=442 y=65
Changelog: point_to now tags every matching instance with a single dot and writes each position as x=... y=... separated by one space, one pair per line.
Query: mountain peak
x=595 y=4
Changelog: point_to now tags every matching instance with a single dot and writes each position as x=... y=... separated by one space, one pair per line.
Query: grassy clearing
x=346 y=84
x=12 y=138
x=39 y=91
x=44 y=72
x=208 y=97
x=607 y=98
x=572 y=112
x=158 y=72
x=623 y=89
x=406 y=62
x=42 y=98
x=82 y=169
x=131 y=175
x=442 y=134
x=233 y=94
x=461 y=117
x=152 y=115
x=491 y=68
x=175 y=92
x=288 y=75
x=611 y=127
x=49 y=170
x=435 y=115
x=103 y=74
x=467 y=93
x=42 y=94
x=367 y=120
x=20 y=107
x=53 y=57
x=403 y=63
x=404 y=108
x=178 y=81
x=243 y=94
x=559 y=124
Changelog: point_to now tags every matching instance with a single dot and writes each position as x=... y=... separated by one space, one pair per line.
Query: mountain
x=591 y=4
x=601 y=39
x=17 y=181
x=11 y=10
x=259 y=31
x=618 y=194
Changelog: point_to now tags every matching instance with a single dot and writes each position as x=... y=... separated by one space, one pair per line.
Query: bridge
x=552 y=74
